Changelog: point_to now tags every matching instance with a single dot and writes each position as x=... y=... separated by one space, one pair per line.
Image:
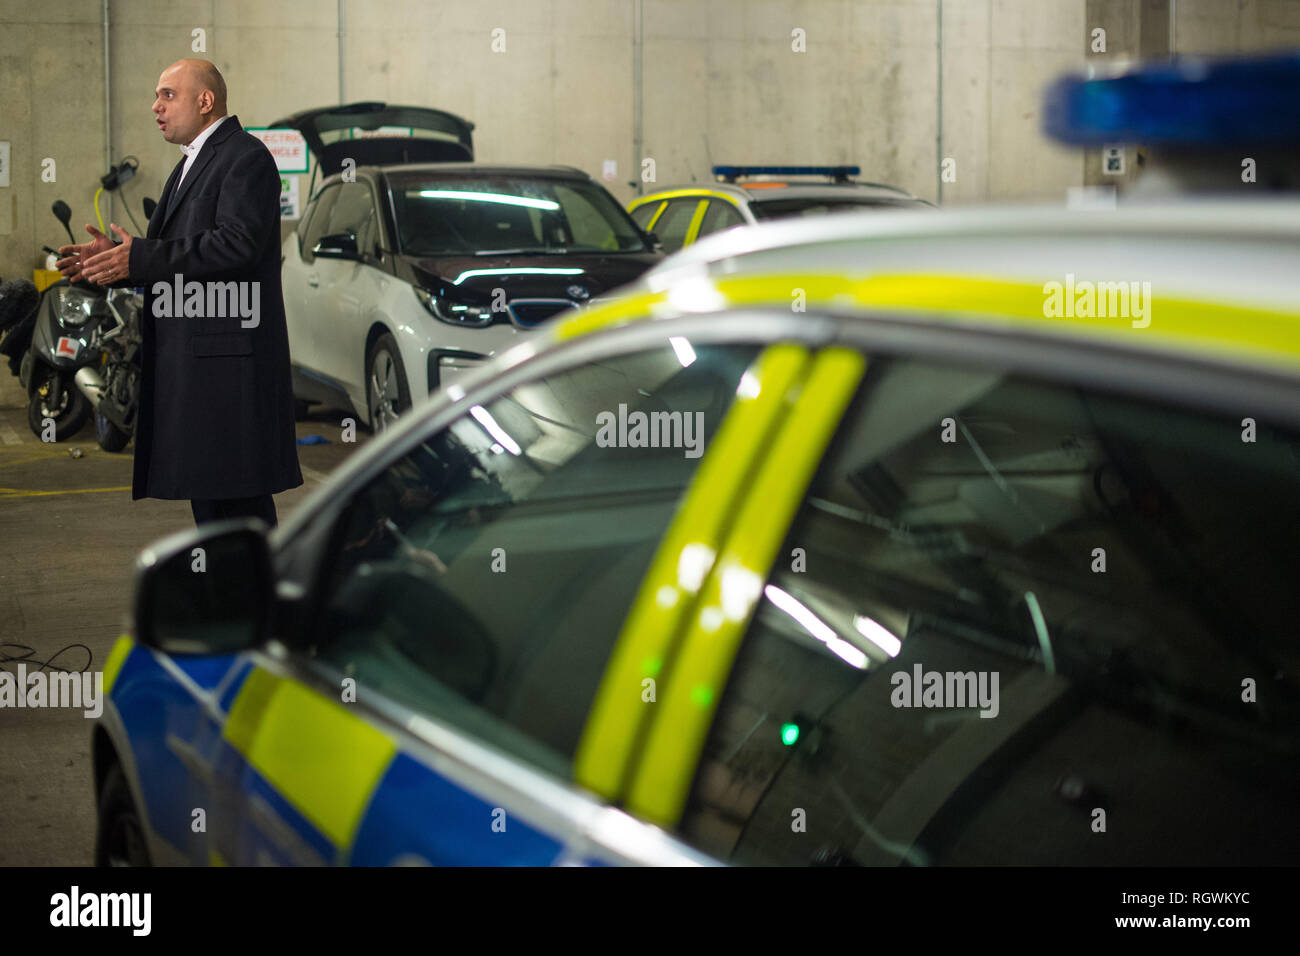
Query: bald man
x=215 y=421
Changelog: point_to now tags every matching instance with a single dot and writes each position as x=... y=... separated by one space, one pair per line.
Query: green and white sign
x=286 y=145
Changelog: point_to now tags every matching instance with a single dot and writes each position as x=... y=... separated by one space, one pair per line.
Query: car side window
x=642 y=215
x=483 y=578
x=368 y=237
x=314 y=228
x=1002 y=603
x=672 y=226
x=720 y=215
x=588 y=228
x=352 y=213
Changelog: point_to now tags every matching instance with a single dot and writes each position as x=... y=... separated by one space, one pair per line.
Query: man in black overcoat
x=216 y=418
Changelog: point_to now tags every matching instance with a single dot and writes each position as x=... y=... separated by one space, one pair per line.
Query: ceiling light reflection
x=877 y=634
x=815 y=626
x=482 y=416
x=685 y=354
x=547 y=204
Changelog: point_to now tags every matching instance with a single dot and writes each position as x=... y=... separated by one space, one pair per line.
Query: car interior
x=1111 y=702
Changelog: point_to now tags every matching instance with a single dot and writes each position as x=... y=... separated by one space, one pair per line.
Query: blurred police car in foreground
x=962 y=539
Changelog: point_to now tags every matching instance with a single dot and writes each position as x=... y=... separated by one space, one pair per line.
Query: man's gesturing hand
x=111 y=264
x=73 y=264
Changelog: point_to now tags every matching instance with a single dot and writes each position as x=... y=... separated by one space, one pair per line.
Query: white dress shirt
x=192 y=150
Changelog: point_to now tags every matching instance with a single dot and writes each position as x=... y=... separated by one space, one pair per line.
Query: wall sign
x=289 y=201
x=286 y=145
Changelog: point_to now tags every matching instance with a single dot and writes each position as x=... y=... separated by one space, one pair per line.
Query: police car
x=833 y=542
x=680 y=215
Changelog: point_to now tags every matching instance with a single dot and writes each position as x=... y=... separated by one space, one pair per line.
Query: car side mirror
x=652 y=240
x=210 y=590
x=341 y=245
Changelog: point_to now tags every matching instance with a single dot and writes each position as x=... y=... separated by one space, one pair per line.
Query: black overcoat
x=216 y=403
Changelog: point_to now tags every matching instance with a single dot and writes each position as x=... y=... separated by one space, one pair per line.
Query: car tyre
x=387 y=393
x=119 y=839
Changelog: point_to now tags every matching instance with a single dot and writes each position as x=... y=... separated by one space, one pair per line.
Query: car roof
x=855 y=191
x=481 y=169
x=461 y=170
x=758 y=191
x=1219 y=275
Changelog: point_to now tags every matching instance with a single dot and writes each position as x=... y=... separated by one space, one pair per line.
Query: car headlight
x=454 y=313
x=75 y=307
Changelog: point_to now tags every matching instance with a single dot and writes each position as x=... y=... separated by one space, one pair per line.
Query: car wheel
x=120 y=837
x=387 y=394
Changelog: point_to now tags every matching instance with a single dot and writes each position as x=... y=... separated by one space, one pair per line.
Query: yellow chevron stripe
x=695 y=680
x=667 y=595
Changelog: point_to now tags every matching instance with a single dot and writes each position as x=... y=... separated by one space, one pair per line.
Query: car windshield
x=509 y=214
x=821 y=205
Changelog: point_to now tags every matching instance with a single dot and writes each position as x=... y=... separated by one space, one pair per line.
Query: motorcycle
x=18 y=302
x=82 y=357
x=113 y=389
x=65 y=321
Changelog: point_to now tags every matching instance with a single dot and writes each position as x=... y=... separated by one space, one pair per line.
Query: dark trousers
x=218 y=509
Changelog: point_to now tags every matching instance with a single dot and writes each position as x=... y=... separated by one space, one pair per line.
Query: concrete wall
x=721 y=81
x=51 y=106
x=998 y=57
x=1226 y=26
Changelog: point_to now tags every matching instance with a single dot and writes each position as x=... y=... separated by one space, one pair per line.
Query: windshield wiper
x=546 y=251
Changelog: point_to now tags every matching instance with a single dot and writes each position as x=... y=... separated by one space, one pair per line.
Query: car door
x=644 y=214
x=1013 y=608
x=469 y=593
x=301 y=278
x=720 y=215
x=676 y=221
x=349 y=287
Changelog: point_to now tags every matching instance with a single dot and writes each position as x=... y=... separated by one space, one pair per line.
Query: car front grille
x=527 y=313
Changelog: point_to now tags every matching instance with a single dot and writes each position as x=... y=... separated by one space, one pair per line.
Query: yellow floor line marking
x=25 y=461
x=44 y=451
x=21 y=493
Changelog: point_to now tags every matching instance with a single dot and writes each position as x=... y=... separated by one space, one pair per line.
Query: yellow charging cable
x=98 y=217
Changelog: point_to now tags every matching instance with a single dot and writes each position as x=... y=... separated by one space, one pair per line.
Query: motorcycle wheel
x=69 y=417
x=109 y=436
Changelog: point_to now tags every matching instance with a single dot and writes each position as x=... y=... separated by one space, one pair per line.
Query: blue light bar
x=1188 y=102
x=732 y=173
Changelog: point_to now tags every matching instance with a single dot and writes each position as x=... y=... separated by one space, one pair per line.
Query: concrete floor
x=69 y=534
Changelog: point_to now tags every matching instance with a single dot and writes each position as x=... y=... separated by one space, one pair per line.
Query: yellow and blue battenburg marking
x=287 y=775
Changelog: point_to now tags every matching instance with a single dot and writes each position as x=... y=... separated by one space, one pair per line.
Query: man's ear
x=206 y=101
